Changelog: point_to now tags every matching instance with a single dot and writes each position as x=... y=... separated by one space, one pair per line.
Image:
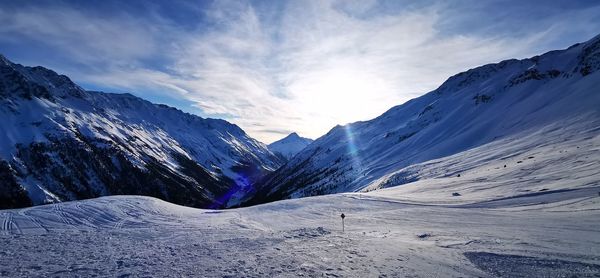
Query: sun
x=340 y=95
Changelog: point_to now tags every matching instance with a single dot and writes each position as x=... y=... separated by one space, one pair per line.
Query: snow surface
x=290 y=145
x=558 y=158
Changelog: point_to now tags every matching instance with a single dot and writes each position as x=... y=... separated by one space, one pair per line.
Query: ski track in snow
x=6 y=222
x=36 y=222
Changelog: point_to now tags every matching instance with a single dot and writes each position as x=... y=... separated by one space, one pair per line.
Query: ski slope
x=563 y=157
x=384 y=236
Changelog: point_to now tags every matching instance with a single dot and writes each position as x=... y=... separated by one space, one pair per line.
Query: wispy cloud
x=86 y=38
x=274 y=68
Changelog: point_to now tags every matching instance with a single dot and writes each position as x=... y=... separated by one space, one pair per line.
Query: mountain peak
x=42 y=82
x=4 y=61
x=293 y=135
x=289 y=145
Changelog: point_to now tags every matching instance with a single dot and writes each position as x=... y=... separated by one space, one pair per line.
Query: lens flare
x=242 y=184
x=352 y=148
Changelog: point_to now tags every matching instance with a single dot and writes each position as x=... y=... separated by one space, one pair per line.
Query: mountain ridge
x=125 y=145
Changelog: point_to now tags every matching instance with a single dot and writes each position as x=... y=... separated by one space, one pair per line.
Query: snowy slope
x=289 y=146
x=522 y=169
x=59 y=142
x=557 y=91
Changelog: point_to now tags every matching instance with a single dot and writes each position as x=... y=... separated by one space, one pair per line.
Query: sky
x=276 y=67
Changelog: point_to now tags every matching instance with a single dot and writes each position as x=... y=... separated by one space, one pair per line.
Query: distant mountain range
x=59 y=142
x=289 y=146
x=493 y=102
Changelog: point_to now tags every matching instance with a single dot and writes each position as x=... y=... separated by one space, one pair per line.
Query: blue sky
x=274 y=67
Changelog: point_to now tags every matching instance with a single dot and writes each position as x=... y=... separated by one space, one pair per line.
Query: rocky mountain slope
x=59 y=142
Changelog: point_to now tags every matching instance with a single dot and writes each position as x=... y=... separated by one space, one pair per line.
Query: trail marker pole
x=343 y=216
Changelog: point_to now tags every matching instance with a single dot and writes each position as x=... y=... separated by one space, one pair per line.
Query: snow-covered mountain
x=289 y=146
x=59 y=142
x=542 y=98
